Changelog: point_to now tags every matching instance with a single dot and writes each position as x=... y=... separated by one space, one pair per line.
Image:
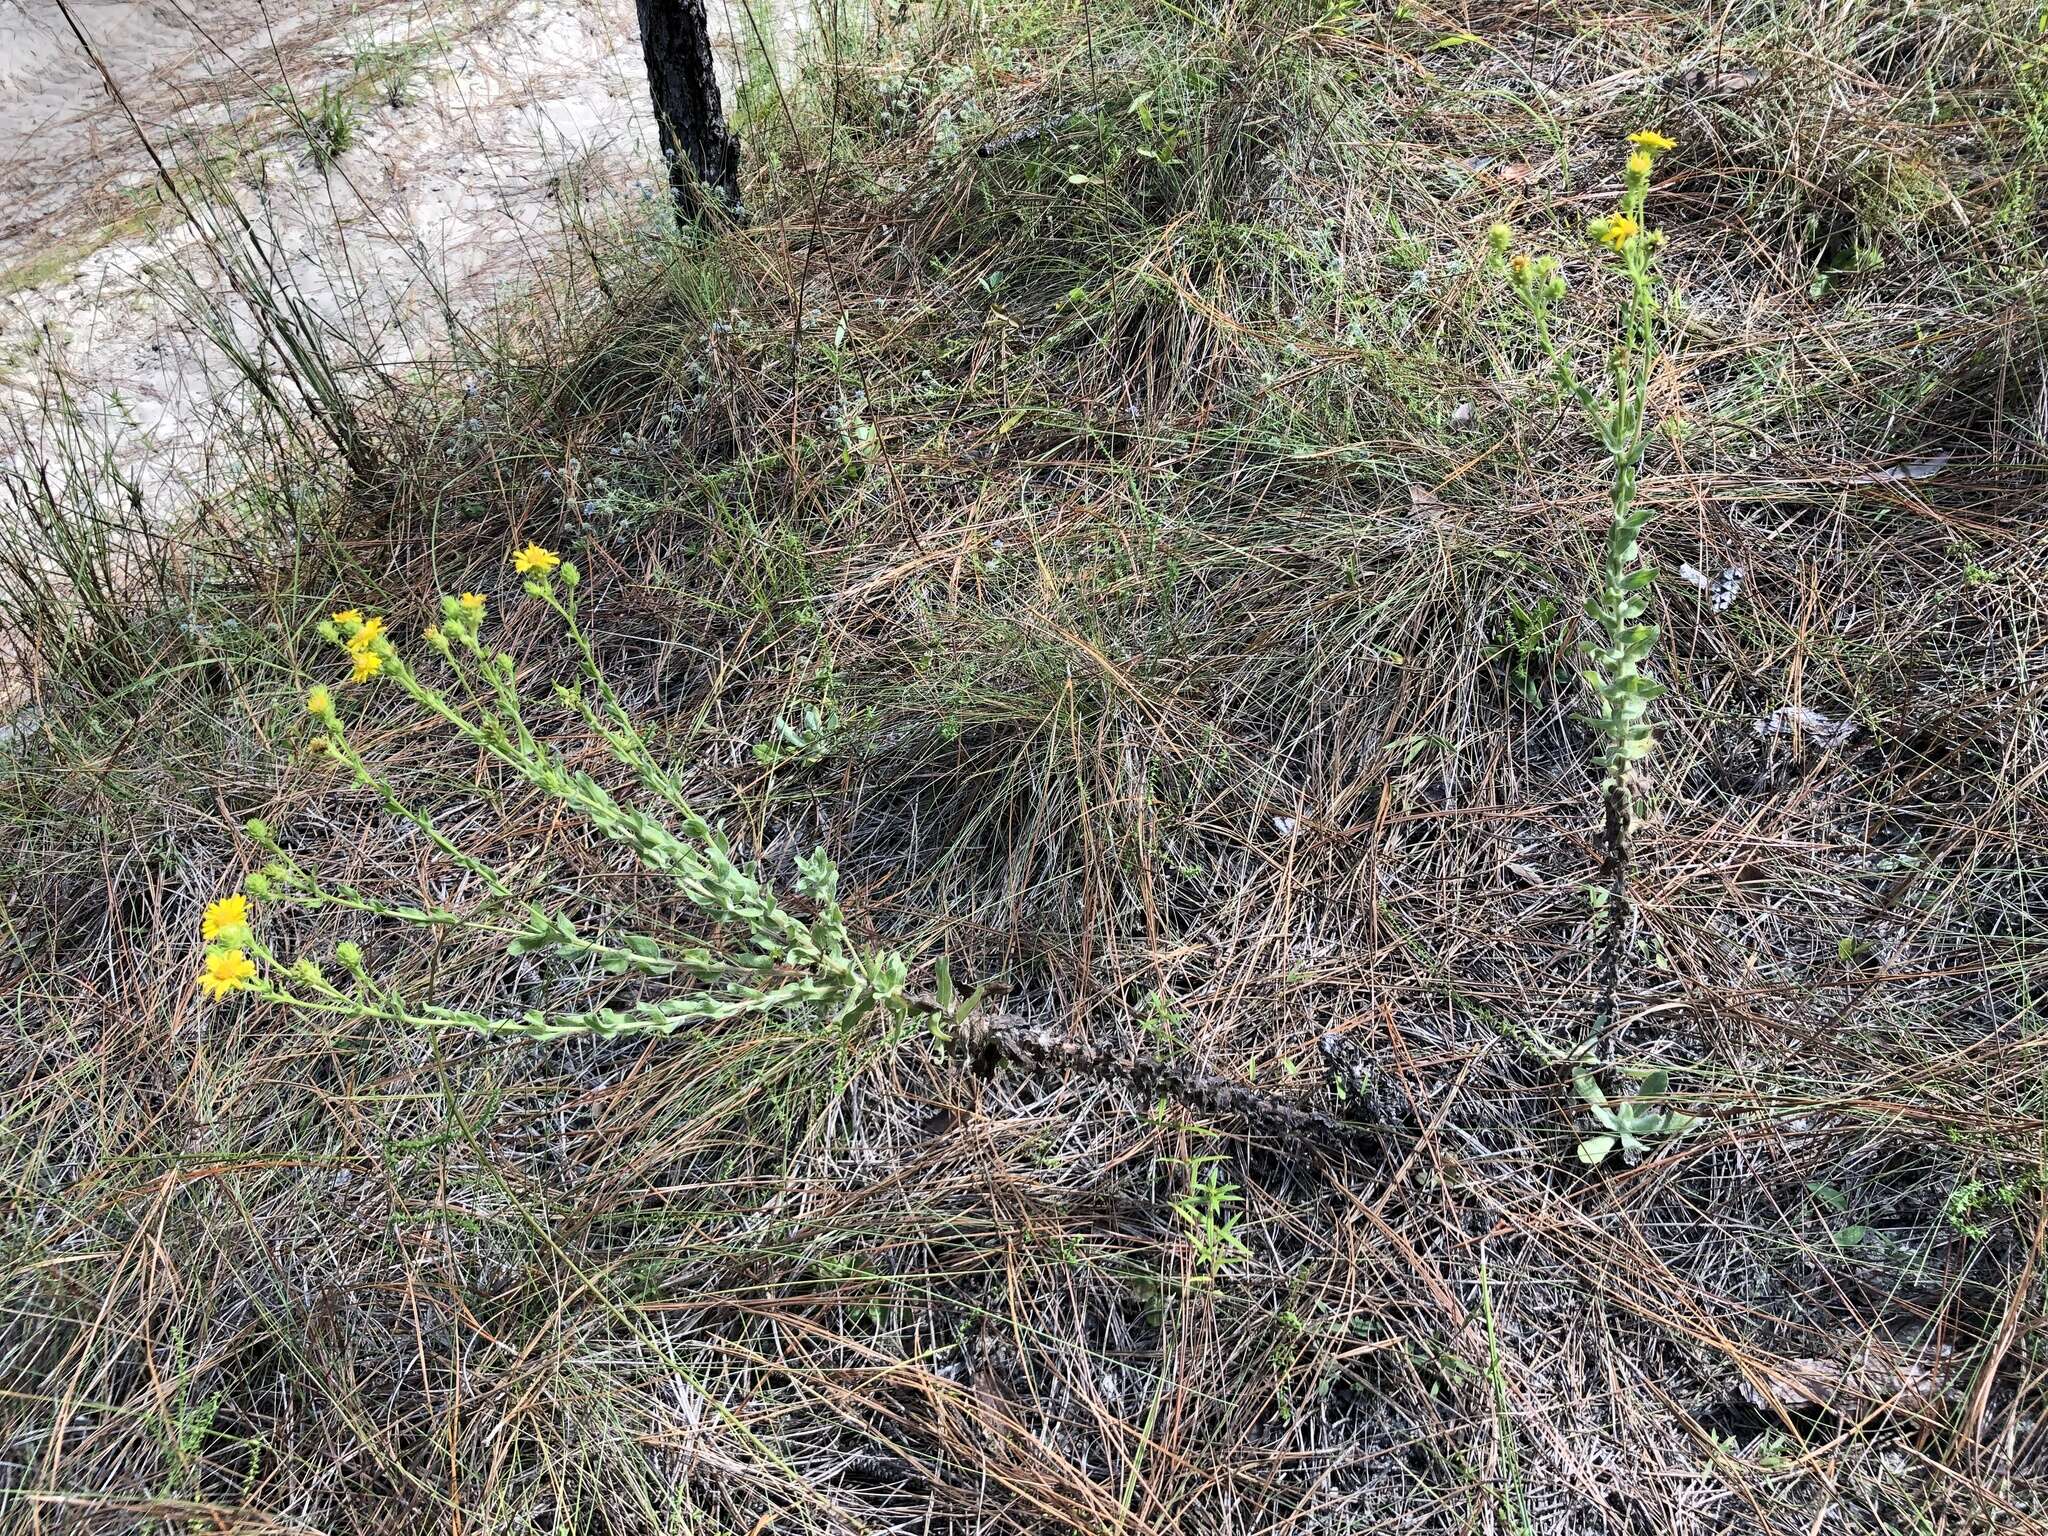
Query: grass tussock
x=1104 y=500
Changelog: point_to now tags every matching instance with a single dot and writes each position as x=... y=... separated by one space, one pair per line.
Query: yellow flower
x=228 y=912
x=319 y=702
x=225 y=971
x=534 y=558
x=1639 y=163
x=1652 y=140
x=1616 y=230
x=473 y=603
x=1518 y=266
x=367 y=665
x=360 y=640
x=347 y=616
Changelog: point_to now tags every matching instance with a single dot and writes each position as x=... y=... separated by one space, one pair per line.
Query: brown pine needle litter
x=1106 y=503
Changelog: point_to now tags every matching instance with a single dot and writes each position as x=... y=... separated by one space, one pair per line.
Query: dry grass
x=1156 y=620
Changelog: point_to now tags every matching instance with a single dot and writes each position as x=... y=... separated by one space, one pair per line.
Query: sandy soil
x=478 y=126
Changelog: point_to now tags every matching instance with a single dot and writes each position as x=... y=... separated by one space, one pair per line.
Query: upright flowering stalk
x=1621 y=642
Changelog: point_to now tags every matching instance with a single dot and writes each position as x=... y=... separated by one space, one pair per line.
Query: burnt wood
x=702 y=152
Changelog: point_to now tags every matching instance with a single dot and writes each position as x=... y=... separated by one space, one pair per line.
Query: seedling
x=1629 y=1123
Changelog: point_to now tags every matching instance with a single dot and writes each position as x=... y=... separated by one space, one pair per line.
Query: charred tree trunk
x=702 y=152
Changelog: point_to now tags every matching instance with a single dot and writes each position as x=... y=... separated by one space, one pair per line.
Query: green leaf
x=643 y=957
x=1594 y=1149
x=542 y=931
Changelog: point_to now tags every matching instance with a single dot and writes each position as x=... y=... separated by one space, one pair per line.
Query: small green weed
x=330 y=128
x=1527 y=643
x=392 y=70
x=1210 y=1214
x=1630 y=1123
x=815 y=733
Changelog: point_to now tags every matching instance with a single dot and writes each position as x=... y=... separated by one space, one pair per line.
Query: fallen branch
x=993 y=1040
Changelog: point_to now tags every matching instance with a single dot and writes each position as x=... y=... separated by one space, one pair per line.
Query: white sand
x=515 y=109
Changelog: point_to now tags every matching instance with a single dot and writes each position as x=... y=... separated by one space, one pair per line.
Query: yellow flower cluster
x=225 y=971
x=1615 y=231
x=229 y=912
x=359 y=637
x=1623 y=229
x=1539 y=280
x=227 y=966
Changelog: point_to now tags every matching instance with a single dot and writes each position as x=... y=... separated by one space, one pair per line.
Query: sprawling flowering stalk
x=786 y=965
x=1621 y=642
